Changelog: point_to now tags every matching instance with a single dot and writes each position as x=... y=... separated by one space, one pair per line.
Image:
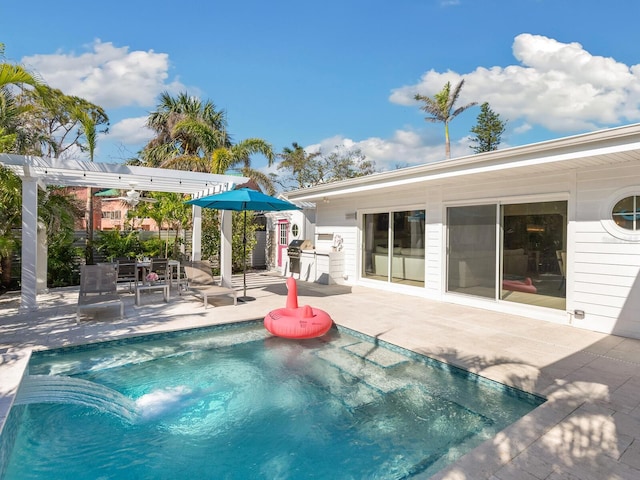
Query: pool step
x=371 y=374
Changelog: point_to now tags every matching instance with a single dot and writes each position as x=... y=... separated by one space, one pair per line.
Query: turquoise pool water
x=234 y=402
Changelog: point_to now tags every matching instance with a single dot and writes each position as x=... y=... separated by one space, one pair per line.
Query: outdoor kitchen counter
x=325 y=267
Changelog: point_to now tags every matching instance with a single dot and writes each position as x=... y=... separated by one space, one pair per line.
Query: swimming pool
x=234 y=402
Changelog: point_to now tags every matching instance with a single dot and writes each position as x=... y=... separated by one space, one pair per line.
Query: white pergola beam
x=79 y=173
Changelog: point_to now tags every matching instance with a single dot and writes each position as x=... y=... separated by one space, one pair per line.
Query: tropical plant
x=297 y=162
x=211 y=236
x=170 y=142
x=12 y=76
x=440 y=107
x=488 y=130
x=10 y=216
x=309 y=169
x=192 y=135
x=154 y=247
x=88 y=123
x=222 y=159
x=171 y=210
x=116 y=244
x=58 y=122
x=38 y=120
x=59 y=211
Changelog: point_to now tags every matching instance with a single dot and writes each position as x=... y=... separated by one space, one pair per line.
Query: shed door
x=283 y=239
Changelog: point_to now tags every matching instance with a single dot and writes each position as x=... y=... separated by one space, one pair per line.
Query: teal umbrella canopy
x=243 y=199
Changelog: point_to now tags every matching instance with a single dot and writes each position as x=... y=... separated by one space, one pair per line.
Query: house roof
x=605 y=147
x=53 y=171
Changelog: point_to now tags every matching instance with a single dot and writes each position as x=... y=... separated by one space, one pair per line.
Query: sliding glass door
x=528 y=260
x=393 y=247
x=472 y=250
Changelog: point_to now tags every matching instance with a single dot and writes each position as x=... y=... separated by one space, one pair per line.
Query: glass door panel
x=534 y=246
x=407 y=264
x=471 y=259
x=375 y=251
x=394 y=252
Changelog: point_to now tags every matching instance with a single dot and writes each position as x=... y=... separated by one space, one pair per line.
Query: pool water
x=237 y=403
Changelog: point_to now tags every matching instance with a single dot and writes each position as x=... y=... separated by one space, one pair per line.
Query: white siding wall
x=337 y=218
x=434 y=251
x=603 y=272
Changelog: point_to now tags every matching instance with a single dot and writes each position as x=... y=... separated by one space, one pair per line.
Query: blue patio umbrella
x=243 y=200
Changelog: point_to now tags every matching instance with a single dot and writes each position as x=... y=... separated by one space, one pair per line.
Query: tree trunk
x=89 y=240
x=6 y=271
x=447 y=144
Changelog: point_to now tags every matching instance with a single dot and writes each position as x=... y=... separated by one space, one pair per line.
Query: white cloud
x=525 y=127
x=406 y=147
x=559 y=86
x=106 y=75
x=131 y=131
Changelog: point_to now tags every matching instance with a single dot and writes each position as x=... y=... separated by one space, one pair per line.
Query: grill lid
x=300 y=245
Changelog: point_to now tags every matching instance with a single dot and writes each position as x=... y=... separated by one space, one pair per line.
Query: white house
x=549 y=230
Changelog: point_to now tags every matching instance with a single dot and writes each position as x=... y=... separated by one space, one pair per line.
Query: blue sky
x=340 y=72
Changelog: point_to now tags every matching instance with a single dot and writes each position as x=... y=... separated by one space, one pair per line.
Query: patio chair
x=98 y=289
x=159 y=266
x=179 y=276
x=200 y=281
x=127 y=272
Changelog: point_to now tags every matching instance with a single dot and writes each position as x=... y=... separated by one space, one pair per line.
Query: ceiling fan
x=132 y=197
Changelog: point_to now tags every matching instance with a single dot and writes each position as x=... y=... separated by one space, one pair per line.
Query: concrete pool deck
x=588 y=429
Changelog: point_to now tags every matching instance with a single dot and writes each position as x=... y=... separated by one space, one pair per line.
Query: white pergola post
x=43 y=251
x=196 y=234
x=29 y=244
x=226 y=252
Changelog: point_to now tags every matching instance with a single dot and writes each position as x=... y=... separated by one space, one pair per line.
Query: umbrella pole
x=244 y=261
x=244 y=254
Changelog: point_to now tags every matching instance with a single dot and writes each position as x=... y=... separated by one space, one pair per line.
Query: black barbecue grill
x=294 y=250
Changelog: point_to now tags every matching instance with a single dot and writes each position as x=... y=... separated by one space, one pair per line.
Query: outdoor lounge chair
x=200 y=281
x=98 y=289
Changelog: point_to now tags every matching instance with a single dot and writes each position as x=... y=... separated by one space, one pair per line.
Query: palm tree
x=10 y=185
x=12 y=75
x=222 y=159
x=298 y=162
x=170 y=142
x=192 y=135
x=89 y=130
x=440 y=107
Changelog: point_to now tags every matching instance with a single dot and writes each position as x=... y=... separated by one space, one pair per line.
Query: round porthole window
x=626 y=213
x=295 y=231
x=621 y=214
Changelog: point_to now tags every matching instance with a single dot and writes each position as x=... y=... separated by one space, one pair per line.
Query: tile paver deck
x=589 y=428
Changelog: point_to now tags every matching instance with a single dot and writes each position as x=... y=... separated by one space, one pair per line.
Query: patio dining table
x=173 y=269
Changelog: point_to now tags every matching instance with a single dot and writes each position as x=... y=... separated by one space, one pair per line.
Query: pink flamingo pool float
x=297 y=322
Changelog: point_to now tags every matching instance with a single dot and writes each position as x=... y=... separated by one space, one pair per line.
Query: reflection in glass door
x=534 y=253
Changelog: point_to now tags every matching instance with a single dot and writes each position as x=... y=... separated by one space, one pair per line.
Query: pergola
x=38 y=172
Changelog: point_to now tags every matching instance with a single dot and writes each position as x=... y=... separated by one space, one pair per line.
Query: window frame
x=610 y=225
